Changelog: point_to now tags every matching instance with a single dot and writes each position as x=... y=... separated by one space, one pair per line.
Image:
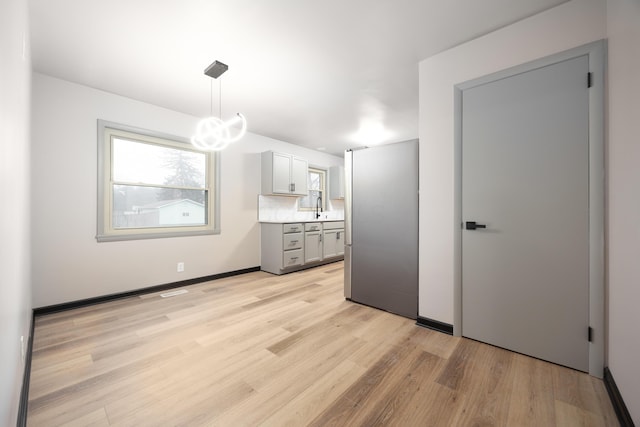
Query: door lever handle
x=472 y=225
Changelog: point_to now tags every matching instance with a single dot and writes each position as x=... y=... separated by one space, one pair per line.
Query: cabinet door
x=340 y=242
x=312 y=246
x=329 y=250
x=281 y=173
x=299 y=172
x=333 y=243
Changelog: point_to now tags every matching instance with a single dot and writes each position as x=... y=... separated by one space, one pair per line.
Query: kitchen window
x=316 y=181
x=152 y=185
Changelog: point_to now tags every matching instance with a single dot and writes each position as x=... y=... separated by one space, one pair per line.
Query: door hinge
x=589 y=79
x=590 y=334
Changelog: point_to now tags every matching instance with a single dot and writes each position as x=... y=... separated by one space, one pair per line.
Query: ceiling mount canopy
x=213 y=133
x=216 y=69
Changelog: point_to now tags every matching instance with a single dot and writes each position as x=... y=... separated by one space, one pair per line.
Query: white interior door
x=525 y=176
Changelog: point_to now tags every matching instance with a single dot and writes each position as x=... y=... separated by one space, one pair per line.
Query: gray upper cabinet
x=299 y=172
x=336 y=182
x=284 y=174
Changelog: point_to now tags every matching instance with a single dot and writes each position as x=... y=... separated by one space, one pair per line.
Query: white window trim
x=105 y=232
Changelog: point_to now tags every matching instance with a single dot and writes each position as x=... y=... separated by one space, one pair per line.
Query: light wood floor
x=258 y=349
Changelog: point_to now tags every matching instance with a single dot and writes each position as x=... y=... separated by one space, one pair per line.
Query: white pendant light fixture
x=212 y=133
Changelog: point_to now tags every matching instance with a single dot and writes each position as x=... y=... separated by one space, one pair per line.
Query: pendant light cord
x=219 y=98
x=211 y=98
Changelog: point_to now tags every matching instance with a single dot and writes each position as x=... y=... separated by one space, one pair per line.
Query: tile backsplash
x=280 y=208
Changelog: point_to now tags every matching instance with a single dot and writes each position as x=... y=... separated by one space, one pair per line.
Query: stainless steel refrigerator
x=381 y=227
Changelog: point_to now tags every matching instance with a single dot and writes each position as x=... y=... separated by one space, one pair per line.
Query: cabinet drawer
x=292 y=241
x=333 y=225
x=292 y=258
x=313 y=226
x=292 y=228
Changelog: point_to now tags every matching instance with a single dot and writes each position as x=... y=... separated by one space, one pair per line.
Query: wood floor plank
x=145 y=402
x=347 y=410
x=391 y=406
x=306 y=406
x=459 y=365
x=260 y=349
x=532 y=395
x=66 y=349
x=432 y=405
x=393 y=327
x=568 y=415
x=75 y=387
x=289 y=379
x=574 y=388
x=488 y=393
x=54 y=369
x=77 y=403
x=434 y=342
x=578 y=390
x=97 y=418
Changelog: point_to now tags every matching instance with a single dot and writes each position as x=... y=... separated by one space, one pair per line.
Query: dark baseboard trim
x=26 y=378
x=624 y=417
x=97 y=300
x=435 y=325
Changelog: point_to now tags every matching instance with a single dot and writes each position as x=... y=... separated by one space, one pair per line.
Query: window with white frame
x=316 y=181
x=153 y=185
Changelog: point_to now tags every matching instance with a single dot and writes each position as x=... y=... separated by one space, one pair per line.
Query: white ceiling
x=307 y=72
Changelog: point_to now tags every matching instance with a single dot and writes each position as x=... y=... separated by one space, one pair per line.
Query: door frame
x=596 y=52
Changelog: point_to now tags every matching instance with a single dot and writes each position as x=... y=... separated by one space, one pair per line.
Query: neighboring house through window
x=153 y=185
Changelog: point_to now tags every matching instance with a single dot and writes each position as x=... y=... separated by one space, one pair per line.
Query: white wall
x=15 y=304
x=623 y=27
x=68 y=263
x=569 y=25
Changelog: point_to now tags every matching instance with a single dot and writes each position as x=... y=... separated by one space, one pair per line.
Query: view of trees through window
x=157 y=186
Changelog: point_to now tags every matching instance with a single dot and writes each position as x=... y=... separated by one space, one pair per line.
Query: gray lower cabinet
x=313 y=242
x=294 y=246
x=333 y=243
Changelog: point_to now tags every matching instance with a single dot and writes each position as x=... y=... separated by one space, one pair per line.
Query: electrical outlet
x=180 y=267
x=23 y=348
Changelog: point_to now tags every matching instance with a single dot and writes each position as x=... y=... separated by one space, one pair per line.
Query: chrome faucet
x=318 y=206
